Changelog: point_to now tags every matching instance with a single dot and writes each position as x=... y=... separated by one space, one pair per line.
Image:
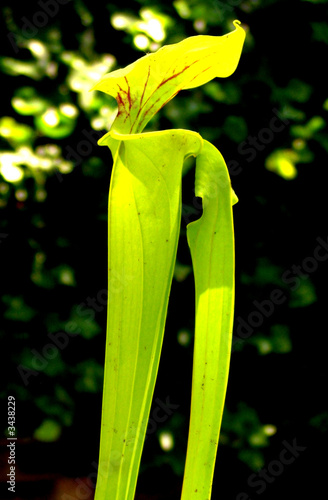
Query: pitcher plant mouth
x=144 y=216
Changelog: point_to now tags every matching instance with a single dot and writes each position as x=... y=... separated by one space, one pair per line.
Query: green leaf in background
x=17 y=309
x=26 y=101
x=15 y=133
x=48 y=431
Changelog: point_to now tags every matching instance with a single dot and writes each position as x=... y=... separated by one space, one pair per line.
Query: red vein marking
x=122 y=102
x=164 y=81
x=128 y=94
x=144 y=89
x=177 y=74
x=142 y=96
x=121 y=107
x=206 y=69
x=160 y=85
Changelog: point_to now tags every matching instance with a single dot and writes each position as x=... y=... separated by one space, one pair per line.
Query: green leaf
x=144 y=223
x=17 y=309
x=15 y=133
x=304 y=295
x=26 y=101
x=145 y=86
x=48 y=431
x=211 y=241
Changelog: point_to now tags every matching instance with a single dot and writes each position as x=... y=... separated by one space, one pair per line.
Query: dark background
x=53 y=243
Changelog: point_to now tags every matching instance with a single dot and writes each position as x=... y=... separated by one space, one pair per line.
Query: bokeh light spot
x=166 y=440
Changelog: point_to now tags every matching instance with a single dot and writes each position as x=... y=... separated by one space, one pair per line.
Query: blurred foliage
x=269 y=120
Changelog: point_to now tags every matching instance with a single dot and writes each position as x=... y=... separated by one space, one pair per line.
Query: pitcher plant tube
x=144 y=216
